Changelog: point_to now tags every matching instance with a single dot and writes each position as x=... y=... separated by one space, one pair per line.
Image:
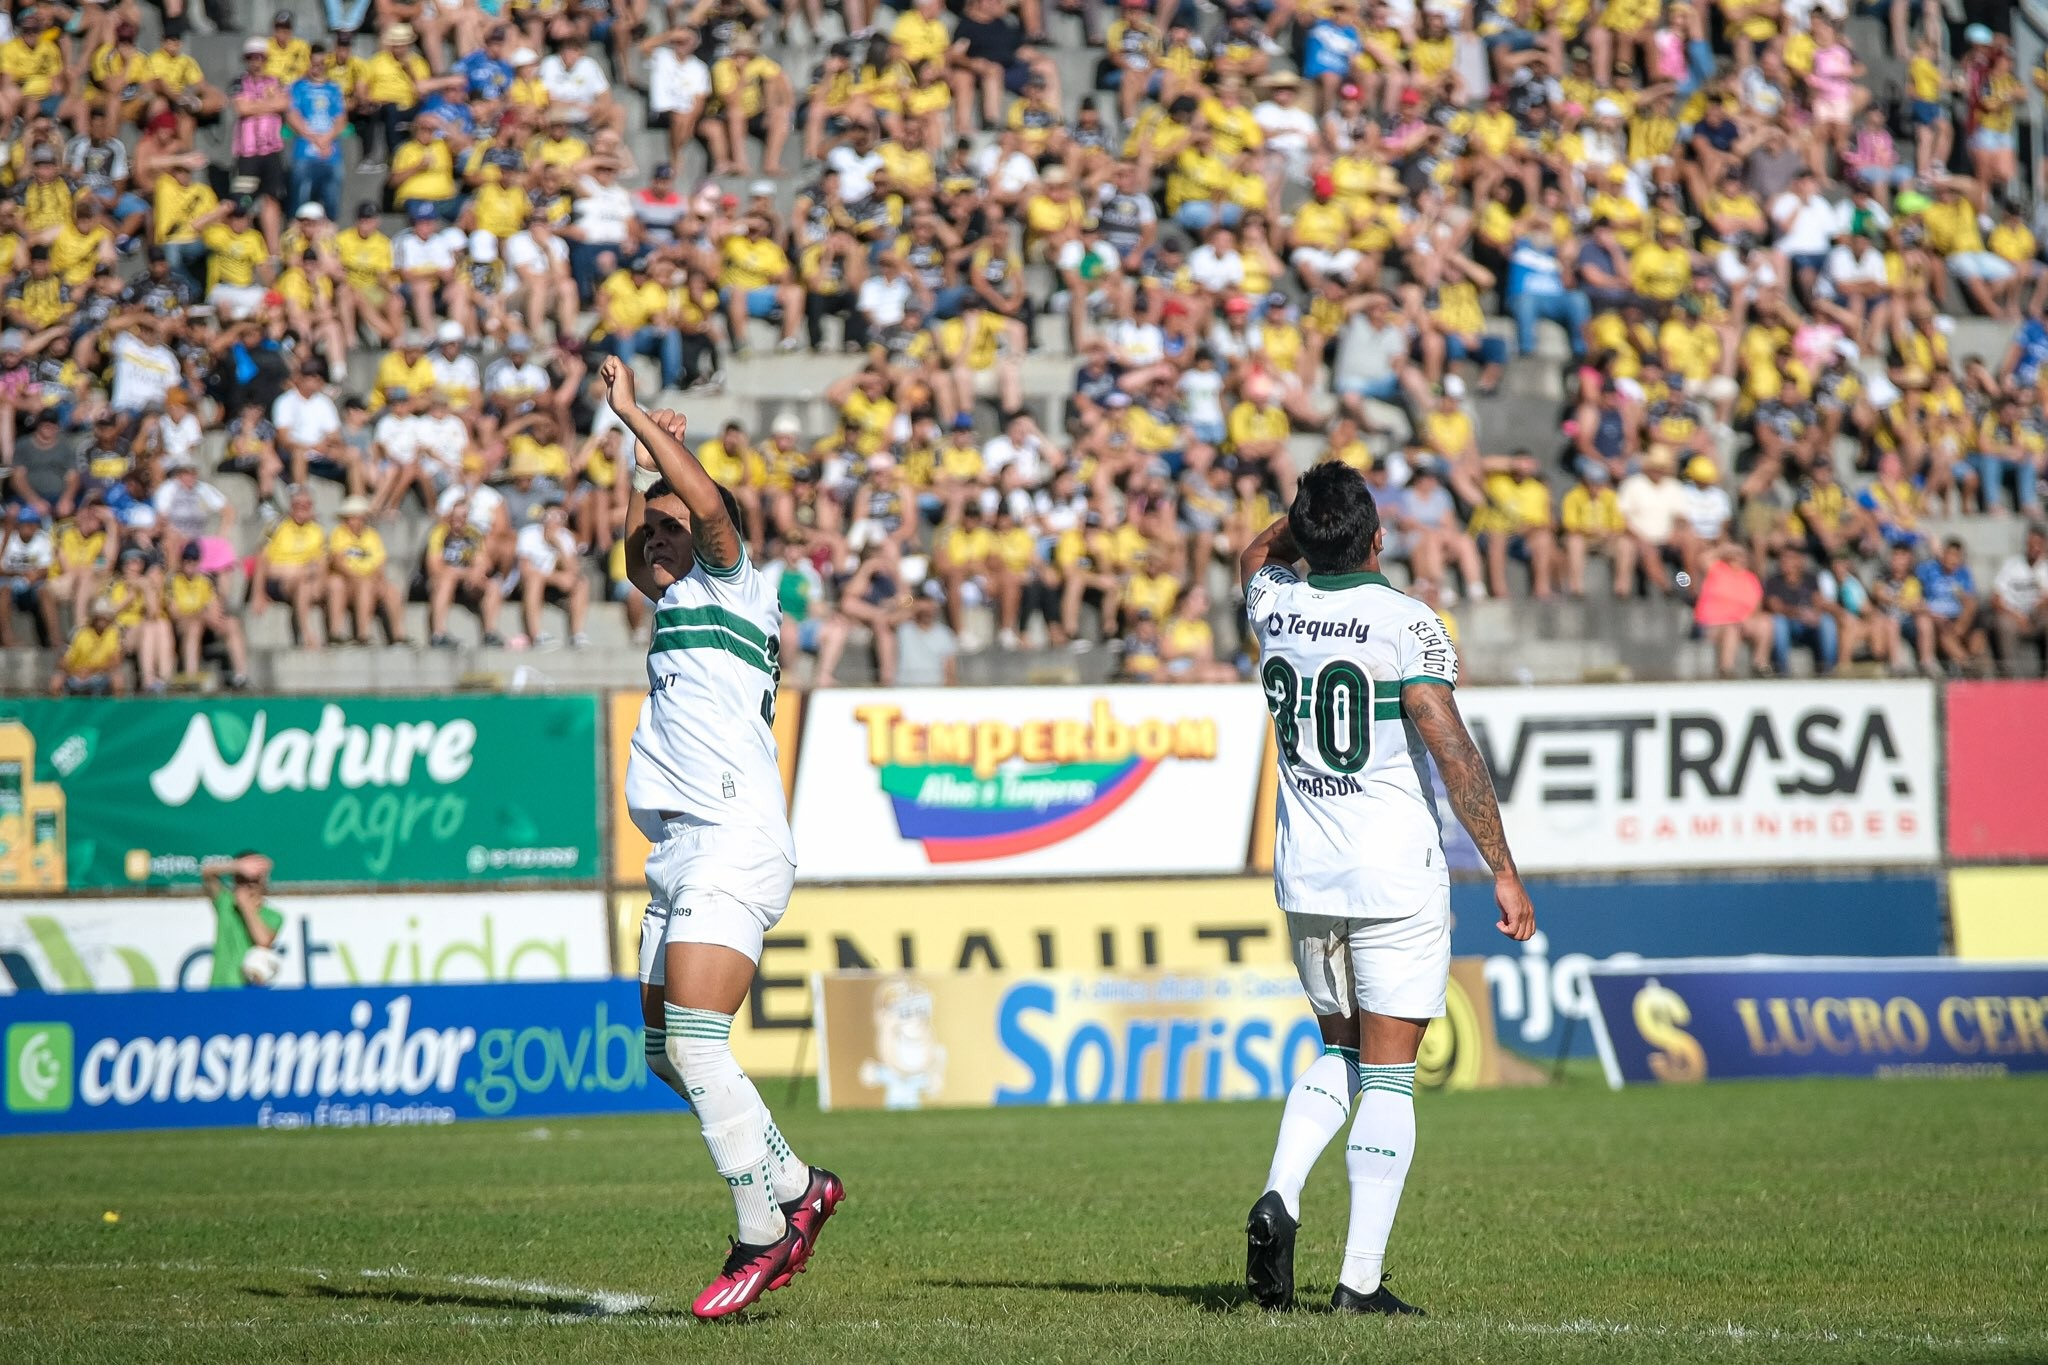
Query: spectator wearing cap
x=1653 y=504
x=188 y=508
x=405 y=366
x=432 y=257
x=239 y=259
x=291 y=568
x=751 y=96
x=423 y=173
x=367 y=297
x=659 y=207
x=197 y=616
x=1708 y=510
x=458 y=564
x=27 y=555
x=91 y=665
x=387 y=93
x=357 y=587
x=260 y=101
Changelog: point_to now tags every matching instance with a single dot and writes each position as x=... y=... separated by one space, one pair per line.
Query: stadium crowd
x=1268 y=234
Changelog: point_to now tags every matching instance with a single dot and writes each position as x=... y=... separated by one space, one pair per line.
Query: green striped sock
x=704 y=1025
x=1395 y=1080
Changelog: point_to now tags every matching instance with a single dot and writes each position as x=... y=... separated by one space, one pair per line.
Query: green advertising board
x=334 y=789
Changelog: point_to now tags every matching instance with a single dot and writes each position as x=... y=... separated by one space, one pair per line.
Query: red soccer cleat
x=807 y=1214
x=750 y=1272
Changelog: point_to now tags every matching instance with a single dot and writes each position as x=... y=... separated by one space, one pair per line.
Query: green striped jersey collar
x=1333 y=582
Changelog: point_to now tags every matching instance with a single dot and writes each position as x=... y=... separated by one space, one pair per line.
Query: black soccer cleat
x=1269 y=1252
x=1381 y=1301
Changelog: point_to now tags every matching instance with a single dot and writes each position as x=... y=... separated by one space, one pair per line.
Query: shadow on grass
x=1208 y=1298
x=565 y=1305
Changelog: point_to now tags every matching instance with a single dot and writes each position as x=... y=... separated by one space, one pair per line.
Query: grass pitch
x=1819 y=1221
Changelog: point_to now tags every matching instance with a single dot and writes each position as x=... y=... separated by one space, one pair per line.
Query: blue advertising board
x=323 y=1057
x=1540 y=992
x=1709 y=1019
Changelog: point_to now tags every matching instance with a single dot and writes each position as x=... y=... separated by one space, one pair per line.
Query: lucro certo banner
x=336 y=789
x=1705 y=1019
x=323 y=1058
x=1027 y=782
x=1729 y=775
x=166 y=942
x=913 y=1040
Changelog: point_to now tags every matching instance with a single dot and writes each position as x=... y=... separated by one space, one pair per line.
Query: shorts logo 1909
x=39 y=1069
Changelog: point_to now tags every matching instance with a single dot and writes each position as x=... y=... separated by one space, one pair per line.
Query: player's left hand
x=1517 y=916
x=672 y=422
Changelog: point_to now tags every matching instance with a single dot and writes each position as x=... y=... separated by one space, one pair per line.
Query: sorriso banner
x=335 y=789
x=1995 y=731
x=1027 y=782
x=1716 y=1019
x=323 y=1058
x=913 y=1040
x=166 y=942
x=1723 y=775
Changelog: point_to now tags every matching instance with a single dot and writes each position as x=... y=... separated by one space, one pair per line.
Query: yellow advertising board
x=1999 y=912
x=629 y=850
x=912 y=1040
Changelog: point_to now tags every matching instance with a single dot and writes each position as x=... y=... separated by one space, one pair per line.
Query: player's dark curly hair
x=1334 y=520
x=660 y=489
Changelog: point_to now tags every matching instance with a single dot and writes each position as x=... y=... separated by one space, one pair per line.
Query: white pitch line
x=603 y=1303
x=1735 y=1331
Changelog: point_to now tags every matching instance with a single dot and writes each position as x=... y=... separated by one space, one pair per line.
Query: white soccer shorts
x=722 y=884
x=1399 y=967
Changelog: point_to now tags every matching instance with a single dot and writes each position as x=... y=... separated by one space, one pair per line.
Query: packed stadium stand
x=1676 y=340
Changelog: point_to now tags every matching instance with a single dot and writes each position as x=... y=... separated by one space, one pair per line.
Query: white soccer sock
x=1316 y=1109
x=790 y=1176
x=734 y=1119
x=657 y=1058
x=1377 y=1157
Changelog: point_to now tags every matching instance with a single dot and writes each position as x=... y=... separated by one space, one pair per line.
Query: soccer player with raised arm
x=703 y=785
x=1359 y=679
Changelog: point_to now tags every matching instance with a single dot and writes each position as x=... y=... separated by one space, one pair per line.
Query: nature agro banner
x=336 y=790
x=1686 y=1020
x=912 y=1040
x=323 y=1058
x=1726 y=775
x=166 y=942
x=1027 y=782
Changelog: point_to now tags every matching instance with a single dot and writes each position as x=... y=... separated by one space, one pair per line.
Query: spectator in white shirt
x=187 y=507
x=1805 y=222
x=1290 y=129
x=605 y=226
x=856 y=161
x=884 y=297
x=550 y=566
x=308 y=423
x=578 y=87
x=1653 y=508
x=2019 y=597
x=145 y=369
x=678 y=84
x=1853 y=287
x=430 y=257
x=539 y=259
x=1215 y=265
x=1022 y=447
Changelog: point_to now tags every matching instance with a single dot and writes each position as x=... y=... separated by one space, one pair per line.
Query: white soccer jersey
x=705 y=744
x=1358 y=829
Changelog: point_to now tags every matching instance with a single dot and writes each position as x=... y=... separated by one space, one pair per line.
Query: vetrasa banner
x=323 y=1058
x=1724 y=775
x=167 y=942
x=913 y=1040
x=334 y=789
x=1719 y=1019
x=1027 y=782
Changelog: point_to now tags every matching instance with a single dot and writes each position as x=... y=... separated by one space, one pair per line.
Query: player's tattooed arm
x=661 y=434
x=1433 y=710
x=1274 y=545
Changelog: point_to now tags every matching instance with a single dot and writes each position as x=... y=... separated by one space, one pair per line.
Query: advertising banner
x=1997 y=749
x=629 y=849
x=166 y=942
x=1999 y=913
x=382 y=790
x=1540 y=991
x=1027 y=782
x=914 y=1040
x=323 y=1058
x=1674 y=775
x=1717 y=1019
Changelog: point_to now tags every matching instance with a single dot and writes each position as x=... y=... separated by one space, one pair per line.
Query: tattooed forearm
x=1434 y=712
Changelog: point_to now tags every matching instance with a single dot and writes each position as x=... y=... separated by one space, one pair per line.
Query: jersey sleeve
x=1265 y=586
x=1427 y=654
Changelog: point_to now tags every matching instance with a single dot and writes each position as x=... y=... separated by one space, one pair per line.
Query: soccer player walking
x=703 y=785
x=1359 y=679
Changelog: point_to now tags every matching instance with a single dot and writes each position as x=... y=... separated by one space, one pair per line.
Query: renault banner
x=1027 y=782
x=914 y=1040
x=1685 y=1020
